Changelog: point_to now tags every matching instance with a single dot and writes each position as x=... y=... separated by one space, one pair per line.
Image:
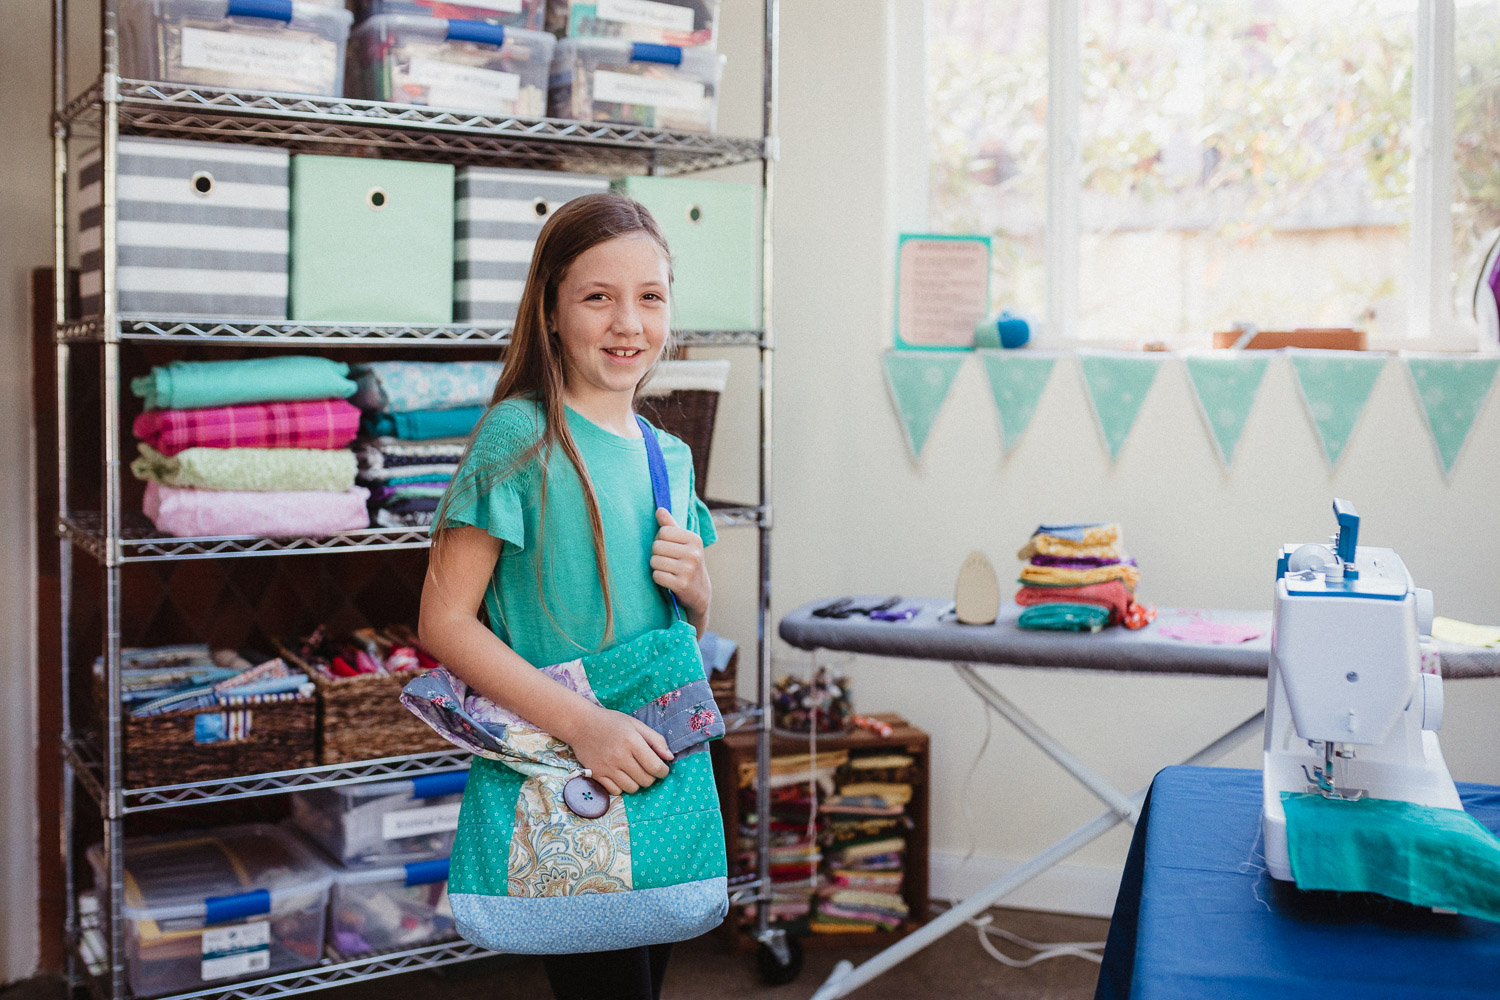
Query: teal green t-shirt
x=563 y=618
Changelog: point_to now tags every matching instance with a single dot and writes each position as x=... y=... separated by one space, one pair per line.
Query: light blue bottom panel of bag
x=604 y=921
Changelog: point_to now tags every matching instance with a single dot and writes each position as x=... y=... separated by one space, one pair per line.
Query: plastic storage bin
x=658 y=86
x=713 y=229
x=202 y=230
x=398 y=906
x=531 y=14
x=686 y=23
x=284 y=45
x=372 y=240
x=497 y=216
x=221 y=904
x=386 y=823
x=468 y=65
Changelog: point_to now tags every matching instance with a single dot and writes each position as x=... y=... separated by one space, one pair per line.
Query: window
x=1159 y=169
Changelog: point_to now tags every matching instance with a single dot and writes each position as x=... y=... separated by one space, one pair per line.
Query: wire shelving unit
x=113 y=106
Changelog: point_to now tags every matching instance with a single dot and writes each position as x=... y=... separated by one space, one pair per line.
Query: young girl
x=549 y=525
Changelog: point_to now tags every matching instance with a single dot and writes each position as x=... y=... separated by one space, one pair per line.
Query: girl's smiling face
x=612 y=316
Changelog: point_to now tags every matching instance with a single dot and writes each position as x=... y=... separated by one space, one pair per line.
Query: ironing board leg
x=847 y=977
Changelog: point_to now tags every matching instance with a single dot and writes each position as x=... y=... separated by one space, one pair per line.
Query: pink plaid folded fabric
x=317 y=423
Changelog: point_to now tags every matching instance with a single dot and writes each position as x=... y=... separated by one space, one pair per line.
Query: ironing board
x=933 y=635
x=1198 y=916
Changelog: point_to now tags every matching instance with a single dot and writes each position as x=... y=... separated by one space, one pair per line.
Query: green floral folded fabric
x=1065 y=617
x=258 y=470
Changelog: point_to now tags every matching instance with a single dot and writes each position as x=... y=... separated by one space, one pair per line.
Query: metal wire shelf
x=334 y=123
x=84 y=755
x=153 y=329
x=140 y=542
x=332 y=972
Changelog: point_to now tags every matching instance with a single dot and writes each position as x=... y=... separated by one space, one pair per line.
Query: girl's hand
x=677 y=564
x=624 y=754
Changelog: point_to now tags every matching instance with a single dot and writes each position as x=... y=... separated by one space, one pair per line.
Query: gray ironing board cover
x=932 y=636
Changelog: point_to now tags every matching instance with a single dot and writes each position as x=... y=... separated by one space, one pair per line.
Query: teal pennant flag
x=919 y=382
x=1117 y=386
x=1452 y=391
x=1335 y=387
x=1016 y=382
x=1225 y=384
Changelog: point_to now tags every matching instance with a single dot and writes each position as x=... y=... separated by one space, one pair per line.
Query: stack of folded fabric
x=1077 y=577
x=174 y=678
x=797 y=782
x=417 y=418
x=865 y=846
x=252 y=447
x=392 y=649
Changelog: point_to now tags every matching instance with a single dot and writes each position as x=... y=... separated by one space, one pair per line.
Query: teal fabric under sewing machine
x=1430 y=857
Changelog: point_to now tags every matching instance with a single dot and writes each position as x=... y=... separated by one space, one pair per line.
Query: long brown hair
x=534 y=366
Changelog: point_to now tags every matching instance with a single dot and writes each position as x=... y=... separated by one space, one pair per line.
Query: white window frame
x=1429 y=324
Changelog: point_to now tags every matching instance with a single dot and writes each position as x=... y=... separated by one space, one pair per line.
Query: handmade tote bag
x=572 y=868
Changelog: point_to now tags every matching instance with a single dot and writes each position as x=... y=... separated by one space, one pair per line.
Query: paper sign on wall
x=942 y=290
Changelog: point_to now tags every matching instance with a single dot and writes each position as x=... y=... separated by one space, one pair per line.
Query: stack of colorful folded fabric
x=417 y=418
x=392 y=649
x=1077 y=577
x=797 y=782
x=864 y=846
x=252 y=447
x=173 y=678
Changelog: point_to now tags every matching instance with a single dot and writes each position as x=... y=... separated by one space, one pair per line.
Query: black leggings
x=631 y=974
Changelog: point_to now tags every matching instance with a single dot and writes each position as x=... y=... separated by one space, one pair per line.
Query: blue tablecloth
x=1198 y=918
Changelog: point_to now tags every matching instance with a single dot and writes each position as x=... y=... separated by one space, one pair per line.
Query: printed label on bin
x=309 y=59
x=236 y=951
x=666 y=16
x=627 y=88
x=420 y=822
x=468 y=87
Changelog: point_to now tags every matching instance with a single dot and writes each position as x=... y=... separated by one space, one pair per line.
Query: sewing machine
x=1349 y=711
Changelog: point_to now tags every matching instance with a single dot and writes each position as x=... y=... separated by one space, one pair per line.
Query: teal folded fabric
x=1423 y=855
x=193 y=385
x=423 y=425
x=1065 y=617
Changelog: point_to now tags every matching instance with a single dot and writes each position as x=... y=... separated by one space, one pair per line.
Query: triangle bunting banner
x=1335 y=387
x=919 y=382
x=1225 y=385
x=1016 y=383
x=1452 y=391
x=1117 y=385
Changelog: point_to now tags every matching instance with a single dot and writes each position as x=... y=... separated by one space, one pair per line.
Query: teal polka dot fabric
x=629 y=675
x=673 y=837
x=481 y=847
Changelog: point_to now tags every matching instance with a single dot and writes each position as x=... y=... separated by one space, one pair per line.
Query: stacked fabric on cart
x=797 y=782
x=174 y=678
x=417 y=418
x=249 y=447
x=865 y=846
x=1077 y=577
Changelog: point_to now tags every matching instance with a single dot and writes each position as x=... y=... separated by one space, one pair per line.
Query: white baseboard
x=1085 y=890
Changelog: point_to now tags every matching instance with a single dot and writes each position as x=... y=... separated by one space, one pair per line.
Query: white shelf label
x=420 y=822
x=453 y=86
x=627 y=88
x=666 y=16
x=309 y=58
x=236 y=951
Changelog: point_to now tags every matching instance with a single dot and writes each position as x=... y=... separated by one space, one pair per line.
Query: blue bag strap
x=661 y=487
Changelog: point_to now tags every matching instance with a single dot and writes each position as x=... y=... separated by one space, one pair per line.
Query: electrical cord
x=1058 y=949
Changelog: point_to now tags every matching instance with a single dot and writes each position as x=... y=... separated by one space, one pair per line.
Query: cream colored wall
x=855 y=515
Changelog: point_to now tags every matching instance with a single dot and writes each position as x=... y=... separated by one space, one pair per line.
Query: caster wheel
x=776 y=970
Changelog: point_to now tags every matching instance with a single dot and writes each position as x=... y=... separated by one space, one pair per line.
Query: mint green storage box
x=714 y=232
x=372 y=240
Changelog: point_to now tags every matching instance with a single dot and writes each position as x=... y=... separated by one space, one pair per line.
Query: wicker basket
x=682 y=399
x=362 y=718
x=164 y=749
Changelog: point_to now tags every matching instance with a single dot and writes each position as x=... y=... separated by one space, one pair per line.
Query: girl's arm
x=623 y=753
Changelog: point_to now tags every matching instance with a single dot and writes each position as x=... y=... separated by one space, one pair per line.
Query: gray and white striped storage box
x=202 y=230
x=498 y=214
